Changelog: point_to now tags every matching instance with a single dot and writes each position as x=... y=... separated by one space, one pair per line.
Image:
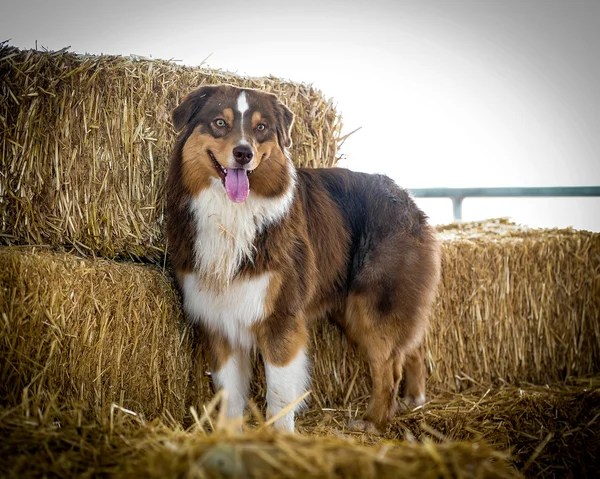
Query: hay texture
x=539 y=431
x=91 y=350
x=515 y=304
x=88 y=334
x=85 y=143
x=51 y=444
x=550 y=431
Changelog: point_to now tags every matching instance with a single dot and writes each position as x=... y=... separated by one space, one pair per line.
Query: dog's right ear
x=191 y=104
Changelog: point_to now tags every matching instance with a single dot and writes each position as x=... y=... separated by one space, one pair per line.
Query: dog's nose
x=243 y=154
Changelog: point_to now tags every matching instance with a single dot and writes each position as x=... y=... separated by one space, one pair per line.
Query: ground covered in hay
x=527 y=431
x=549 y=431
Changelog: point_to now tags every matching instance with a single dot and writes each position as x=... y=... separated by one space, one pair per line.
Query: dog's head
x=238 y=136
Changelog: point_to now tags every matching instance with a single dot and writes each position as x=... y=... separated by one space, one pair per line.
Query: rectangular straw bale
x=90 y=333
x=525 y=303
x=514 y=304
x=85 y=143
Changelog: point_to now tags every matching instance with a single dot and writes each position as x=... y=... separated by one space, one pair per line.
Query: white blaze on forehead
x=242 y=103
x=242 y=106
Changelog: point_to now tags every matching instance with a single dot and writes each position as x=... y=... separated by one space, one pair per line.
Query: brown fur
x=352 y=245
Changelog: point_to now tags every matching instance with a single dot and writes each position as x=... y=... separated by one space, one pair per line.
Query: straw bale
x=533 y=340
x=85 y=142
x=92 y=349
x=515 y=304
x=90 y=333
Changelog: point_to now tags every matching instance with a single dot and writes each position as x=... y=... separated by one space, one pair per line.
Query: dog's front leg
x=286 y=371
x=285 y=384
x=234 y=377
x=231 y=370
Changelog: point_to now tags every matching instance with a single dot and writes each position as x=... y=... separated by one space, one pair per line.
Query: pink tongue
x=236 y=184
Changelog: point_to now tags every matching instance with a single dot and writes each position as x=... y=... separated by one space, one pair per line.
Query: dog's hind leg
x=387 y=314
x=385 y=360
x=414 y=378
x=386 y=374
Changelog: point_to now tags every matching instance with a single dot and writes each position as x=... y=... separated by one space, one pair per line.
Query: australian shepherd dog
x=259 y=248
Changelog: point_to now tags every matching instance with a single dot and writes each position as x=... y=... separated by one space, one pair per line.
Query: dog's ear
x=285 y=120
x=191 y=104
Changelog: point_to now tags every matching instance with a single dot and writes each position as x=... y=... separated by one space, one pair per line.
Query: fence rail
x=457 y=195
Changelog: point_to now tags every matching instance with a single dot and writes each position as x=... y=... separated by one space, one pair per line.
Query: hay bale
x=79 y=335
x=271 y=455
x=549 y=332
x=515 y=304
x=90 y=333
x=85 y=142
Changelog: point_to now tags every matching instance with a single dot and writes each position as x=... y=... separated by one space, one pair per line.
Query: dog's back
x=363 y=228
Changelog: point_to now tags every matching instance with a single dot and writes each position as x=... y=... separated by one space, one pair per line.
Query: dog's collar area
x=220 y=168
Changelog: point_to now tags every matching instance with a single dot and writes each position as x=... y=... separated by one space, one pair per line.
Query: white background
x=446 y=92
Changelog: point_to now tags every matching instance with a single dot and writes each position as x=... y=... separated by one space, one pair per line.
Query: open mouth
x=220 y=168
x=235 y=180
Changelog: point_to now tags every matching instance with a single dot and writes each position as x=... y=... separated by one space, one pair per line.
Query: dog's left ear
x=192 y=103
x=285 y=120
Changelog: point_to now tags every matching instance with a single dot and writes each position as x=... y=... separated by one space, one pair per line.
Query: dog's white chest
x=225 y=231
x=231 y=312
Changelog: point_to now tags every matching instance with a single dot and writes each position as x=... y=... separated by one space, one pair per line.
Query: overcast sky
x=446 y=92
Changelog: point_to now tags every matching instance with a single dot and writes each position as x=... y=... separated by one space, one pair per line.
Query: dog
x=259 y=248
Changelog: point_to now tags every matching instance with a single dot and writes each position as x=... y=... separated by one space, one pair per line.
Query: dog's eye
x=261 y=127
x=220 y=123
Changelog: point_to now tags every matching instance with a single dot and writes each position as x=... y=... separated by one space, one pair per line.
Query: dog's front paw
x=362 y=425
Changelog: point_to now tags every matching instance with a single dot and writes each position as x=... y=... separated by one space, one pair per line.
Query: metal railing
x=457 y=195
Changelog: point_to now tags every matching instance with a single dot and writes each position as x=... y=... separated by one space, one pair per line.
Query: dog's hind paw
x=410 y=402
x=361 y=425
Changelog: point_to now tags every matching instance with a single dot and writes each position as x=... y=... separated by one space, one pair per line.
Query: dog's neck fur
x=226 y=231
